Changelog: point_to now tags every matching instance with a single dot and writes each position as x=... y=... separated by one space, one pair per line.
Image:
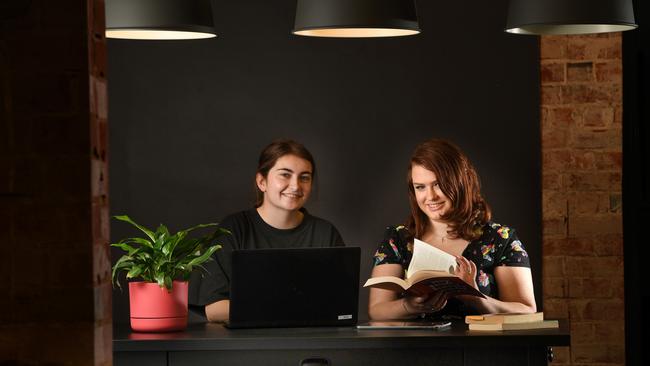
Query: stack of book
x=509 y=321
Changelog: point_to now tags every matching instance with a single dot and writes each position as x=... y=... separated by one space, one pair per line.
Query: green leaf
x=134 y=272
x=148 y=232
x=204 y=257
x=125 y=247
x=140 y=241
x=200 y=226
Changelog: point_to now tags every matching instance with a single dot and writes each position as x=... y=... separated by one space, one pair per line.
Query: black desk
x=212 y=344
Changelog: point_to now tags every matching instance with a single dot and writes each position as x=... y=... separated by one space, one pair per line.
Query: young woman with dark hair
x=283 y=182
x=449 y=213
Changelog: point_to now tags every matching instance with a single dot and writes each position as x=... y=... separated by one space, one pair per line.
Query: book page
x=386 y=282
x=428 y=257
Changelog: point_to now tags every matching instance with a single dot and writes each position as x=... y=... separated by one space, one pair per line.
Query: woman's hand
x=466 y=270
x=424 y=304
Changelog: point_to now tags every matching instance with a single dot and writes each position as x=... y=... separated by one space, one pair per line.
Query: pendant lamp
x=159 y=19
x=356 y=18
x=569 y=16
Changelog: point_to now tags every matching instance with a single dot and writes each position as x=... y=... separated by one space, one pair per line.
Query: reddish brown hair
x=274 y=151
x=458 y=180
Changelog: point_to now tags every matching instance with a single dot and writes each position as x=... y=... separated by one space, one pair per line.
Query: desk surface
x=202 y=336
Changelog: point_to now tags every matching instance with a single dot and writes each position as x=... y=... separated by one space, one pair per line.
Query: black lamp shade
x=159 y=19
x=356 y=18
x=569 y=16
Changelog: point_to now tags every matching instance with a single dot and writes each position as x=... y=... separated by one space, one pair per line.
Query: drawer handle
x=315 y=361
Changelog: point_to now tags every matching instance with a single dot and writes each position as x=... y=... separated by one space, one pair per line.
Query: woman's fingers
x=437 y=302
x=427 y=304
x=472 y=269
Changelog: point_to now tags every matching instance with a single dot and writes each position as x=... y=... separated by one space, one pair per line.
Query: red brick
x=611 y=71
x=553 y=266
x=551 y=95
x=593 y=266
x=593 y=48
x=551 y=180
x=598 y=116
x=567 y=247
x=604 y=310
x=594 y=225
x=562 y=116
x=554 y=287
x=582 y=160
x=579 y=71
x=554 y=204
x=612 y=332
x=587 y=93
x=618 y=115
x=615 y=202
x=553 y=47
x=588 y=203
x=104 y=344
x=553 y=138
x=556 y=308
x=554 y=226
x=556 y=160
x=582 y=332
x=609 y=160
x=552 y=72
x=608 y=245
x=604 y=245
x=597 y=353
x=593 y=287
x=101 y=264
x=102 y=302
x=598 y=181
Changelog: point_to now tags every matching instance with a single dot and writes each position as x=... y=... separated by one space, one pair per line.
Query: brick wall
x=54 y=264
x=581 y=109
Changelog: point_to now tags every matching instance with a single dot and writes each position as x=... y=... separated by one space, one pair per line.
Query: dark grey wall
x=188 y=119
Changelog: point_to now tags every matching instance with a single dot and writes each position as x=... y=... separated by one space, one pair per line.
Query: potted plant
x=163 y=262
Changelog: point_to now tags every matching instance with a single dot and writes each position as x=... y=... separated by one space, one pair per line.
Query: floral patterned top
x=497 y=246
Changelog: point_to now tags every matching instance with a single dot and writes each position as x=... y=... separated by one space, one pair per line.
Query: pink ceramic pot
x=154 y=309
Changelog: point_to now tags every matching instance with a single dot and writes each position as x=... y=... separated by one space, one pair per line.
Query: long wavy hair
x=458 y=181
x=270 y=155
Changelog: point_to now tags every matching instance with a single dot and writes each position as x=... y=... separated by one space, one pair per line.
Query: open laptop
x=294 y=287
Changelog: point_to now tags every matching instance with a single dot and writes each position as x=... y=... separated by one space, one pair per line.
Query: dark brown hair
x=458 y=180
x=274 y=151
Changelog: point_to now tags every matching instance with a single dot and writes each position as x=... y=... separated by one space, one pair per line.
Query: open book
x=430 y=270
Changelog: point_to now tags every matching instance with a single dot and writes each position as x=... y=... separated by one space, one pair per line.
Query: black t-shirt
x=250 y=231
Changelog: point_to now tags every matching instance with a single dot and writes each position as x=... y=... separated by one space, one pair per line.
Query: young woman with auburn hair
x=283 y=182
x=449 y=213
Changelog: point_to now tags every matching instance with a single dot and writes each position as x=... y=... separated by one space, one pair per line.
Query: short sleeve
x=337 y=239
x=394 y=247
x=510 y=250
x=212 y=283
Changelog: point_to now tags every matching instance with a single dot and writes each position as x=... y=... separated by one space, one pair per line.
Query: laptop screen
x=293 y=287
